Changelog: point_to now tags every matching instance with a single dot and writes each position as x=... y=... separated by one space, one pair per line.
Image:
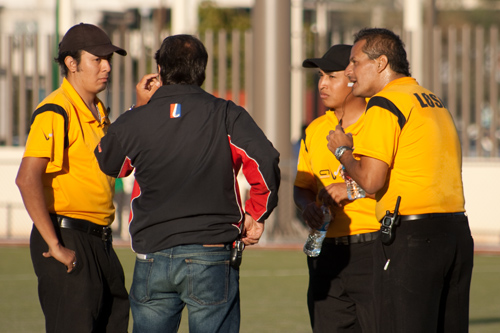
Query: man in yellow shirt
x=80 y=279
x=340 y=278
x=409 y=149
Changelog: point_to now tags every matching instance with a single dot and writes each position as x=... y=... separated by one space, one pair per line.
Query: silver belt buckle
x=141 y=256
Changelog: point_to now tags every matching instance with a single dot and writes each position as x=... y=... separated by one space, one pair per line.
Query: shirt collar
x=176 y=89
x=81 y=108
x=401 y=80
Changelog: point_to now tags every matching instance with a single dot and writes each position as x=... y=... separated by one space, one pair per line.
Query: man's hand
x=146 y=88
x=334 y=194
x=63 y=255
x=252 y=231
x=338 y=138
x=313 y=216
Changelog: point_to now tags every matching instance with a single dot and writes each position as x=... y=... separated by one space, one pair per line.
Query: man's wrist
x=247 y=213
x=339 y=152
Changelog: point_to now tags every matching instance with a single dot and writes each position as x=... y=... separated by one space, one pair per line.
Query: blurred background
x=256 y=49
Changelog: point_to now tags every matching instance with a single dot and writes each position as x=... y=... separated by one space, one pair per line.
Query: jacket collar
x=176 y=89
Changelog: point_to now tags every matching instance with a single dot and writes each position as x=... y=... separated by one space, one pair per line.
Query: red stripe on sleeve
x=257 y=205
x=126 y=168
x=136 y=192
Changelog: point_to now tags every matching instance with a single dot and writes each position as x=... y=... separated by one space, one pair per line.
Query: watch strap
x=339 y=152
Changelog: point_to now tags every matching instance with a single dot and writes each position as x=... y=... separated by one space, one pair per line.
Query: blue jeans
x=194 y=275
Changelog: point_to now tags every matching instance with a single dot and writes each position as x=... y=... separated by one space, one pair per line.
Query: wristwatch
x=340 y=151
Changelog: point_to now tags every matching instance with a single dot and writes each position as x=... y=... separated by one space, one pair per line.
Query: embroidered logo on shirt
x=324 y=173
x=47 y=137
x=175 y=110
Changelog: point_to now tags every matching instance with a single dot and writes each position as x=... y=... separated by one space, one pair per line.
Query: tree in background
x=214 y=19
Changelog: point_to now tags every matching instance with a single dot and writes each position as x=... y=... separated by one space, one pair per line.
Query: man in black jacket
x=187 y=148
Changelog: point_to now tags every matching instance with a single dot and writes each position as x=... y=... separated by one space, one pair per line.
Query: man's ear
x=159 y=75
x=70 y=62
x=382 y=63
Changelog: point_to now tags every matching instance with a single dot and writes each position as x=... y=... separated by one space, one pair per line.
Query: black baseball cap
x=335 y=59
x=90 y=38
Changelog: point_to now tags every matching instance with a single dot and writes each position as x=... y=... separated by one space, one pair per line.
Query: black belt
x=90 y=228
x=429 y=216
x=353 y=239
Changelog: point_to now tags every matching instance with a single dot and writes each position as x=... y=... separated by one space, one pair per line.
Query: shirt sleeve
x=111 y=157
x=47 y=139
x=259 y=160
x=305 y=175
x=379 y=138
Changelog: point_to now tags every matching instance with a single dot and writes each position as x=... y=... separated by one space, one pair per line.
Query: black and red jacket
x=187 y=148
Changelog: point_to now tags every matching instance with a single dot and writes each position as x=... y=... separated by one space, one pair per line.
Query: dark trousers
x=93 y=297
x=425 y=286
x=340 y=294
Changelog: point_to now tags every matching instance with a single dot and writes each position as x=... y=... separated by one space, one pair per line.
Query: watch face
x=339 y=152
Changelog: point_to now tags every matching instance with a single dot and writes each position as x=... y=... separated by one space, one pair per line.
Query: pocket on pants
x=140 y=283
x=429 y=252
x=208 y=281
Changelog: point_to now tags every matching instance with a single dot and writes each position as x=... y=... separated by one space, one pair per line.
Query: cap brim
x=310 y=63
x=105 y=50
x=324 y=64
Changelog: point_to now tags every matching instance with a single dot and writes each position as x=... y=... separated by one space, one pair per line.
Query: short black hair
x=385 y=42
x=77 y=55
x=182 y=60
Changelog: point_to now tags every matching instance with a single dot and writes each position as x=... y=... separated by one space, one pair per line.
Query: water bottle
x=312 y=247
x=354 y=191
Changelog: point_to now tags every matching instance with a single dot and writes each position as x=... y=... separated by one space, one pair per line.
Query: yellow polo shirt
x=410 y=129
x=318 y=167
x=74 y=185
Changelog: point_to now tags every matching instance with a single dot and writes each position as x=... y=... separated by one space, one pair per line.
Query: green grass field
x=273 y=289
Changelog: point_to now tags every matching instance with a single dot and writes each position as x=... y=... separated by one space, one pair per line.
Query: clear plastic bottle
x=354 y=191
x=314 y=241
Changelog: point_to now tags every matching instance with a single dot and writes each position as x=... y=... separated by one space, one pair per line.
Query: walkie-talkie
x=389 y=222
